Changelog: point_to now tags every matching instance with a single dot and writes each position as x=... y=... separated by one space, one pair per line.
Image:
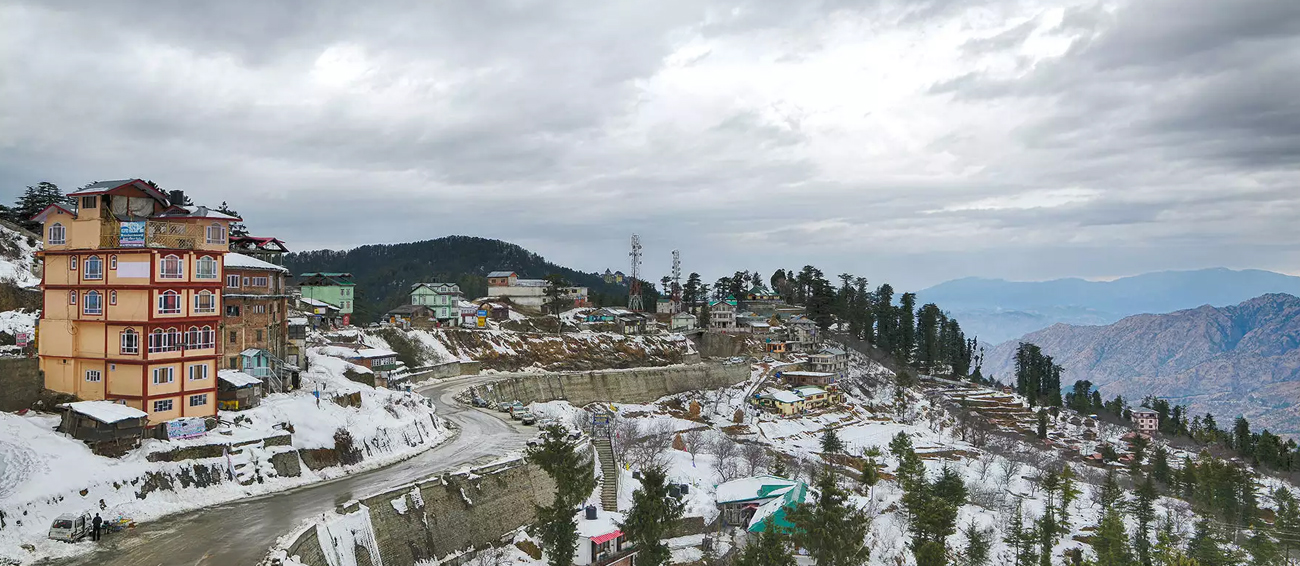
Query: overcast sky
x=904 y=141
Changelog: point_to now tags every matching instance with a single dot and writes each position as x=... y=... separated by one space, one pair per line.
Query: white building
x=722 y=315
x=531 y=293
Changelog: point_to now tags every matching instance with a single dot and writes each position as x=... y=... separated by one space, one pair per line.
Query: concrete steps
x=608 y=473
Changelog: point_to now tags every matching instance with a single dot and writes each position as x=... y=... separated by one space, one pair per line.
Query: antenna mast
x=634 y=292
x=677 y=282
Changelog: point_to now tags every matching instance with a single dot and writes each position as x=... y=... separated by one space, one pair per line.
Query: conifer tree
x=1160 y=465
x=1287 y=524
x=575 y=479
x=832 y=531
x=1111 y=493
x=979 y=545
x=653 y=516
x=1144 y=512
x=871 y=468
x=770 y=548
x=1204 y=547
x=1022 y=540
x=1110 y=543
x=1042 y=423
x=831 y=443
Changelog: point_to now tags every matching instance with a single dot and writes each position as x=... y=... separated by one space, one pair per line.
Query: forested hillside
x=1230 y=361
x=384 y=273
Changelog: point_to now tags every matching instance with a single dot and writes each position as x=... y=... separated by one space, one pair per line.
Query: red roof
x=607 y=537
x=40 y=216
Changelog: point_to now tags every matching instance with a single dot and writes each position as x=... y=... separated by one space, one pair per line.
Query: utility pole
x=677 y=282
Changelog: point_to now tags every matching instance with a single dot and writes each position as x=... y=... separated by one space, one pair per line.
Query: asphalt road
x=242 y=532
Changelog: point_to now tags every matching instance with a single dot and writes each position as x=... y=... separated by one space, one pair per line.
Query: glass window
x=112 y=297
x=87 y=203
x=172 y=268
x=94 y=303
x=232 y=281
x=94 y=268
x=72 y=262
x=198 y=373
x=93 y=375
x=216 y=233
x=199 y=400
x=72 y=297
x=58 y=234
x=112 y=262
x=169 y=302
x=232 y=310
x=162 y=406
x=130 y=341
x=164 y=375
x=205 y=303
x=207 y=268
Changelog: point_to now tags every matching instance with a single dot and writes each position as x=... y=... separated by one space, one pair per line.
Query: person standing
x=95 y=525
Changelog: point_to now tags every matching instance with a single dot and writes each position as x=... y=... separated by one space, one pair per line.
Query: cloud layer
x=905 y=141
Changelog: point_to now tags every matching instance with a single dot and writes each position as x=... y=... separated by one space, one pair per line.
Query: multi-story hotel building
x=132 y=291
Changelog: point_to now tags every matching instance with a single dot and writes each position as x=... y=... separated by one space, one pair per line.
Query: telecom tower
x=634 y=292
x=677 y=282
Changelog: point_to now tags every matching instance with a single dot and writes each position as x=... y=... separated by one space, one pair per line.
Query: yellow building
x=132 y=299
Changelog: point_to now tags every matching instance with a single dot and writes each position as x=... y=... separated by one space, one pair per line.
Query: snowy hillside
x=513 y=351
x=44 y=473
x=18 y=263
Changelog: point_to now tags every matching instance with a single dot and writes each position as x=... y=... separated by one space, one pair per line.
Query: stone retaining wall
x=20 y=383
x=633 y=385
x=451 y=514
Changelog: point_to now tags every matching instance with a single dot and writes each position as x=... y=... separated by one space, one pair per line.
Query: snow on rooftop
x=237 y=378
x=808 y=373
x=241 y=261
x=783 y=395
x=375 y=352
x=807 y=390
x=106 y=412
x=606 y=522
x=756 y=487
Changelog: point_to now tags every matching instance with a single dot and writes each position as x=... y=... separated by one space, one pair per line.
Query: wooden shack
x=110 y=429
x=237 y=390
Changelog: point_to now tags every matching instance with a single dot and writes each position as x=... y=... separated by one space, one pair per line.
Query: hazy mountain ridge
x=1230 y=361
x=998 y=310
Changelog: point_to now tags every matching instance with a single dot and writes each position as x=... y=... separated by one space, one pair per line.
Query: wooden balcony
x=158 y=234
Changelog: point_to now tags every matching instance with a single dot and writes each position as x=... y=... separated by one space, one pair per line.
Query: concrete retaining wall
x=718 y=345
x=453 y=513
x=633 y=385
x=441 y=371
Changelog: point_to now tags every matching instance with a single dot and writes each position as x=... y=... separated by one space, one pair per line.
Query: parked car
x=528 y=418
x=70 y=527
x=517 y=407
x=480 y=402
x=548 y=421
x=504 y=406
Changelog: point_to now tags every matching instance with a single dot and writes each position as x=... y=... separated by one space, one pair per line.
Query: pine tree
x=979 y=545
x=1144 y=512
x=833 y=532
x=871 y=468
x=770 y=548
x=1205 y=548
x=1263 y=550
x=1160 y=465
x=1042 y=423
x=1022 y=540
x=1110 y=543
x=575 y=479
x=1287 y=523
x=653 y=516
x=831 y=443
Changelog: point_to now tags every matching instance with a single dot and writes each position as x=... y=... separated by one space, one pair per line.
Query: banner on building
x=131 y=235
x=185 y=427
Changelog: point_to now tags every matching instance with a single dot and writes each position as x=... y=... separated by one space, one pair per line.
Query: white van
x=70 y=527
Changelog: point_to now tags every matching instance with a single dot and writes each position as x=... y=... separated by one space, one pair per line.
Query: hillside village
x=176 y=364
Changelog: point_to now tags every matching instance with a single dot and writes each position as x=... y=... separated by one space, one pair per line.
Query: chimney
x=176 y=197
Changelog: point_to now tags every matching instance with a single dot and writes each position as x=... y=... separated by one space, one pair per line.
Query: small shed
x=237 y=390
x=110 y=429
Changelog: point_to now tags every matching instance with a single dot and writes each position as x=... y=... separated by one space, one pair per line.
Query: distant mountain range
x=996 y=310
x=1237 y=360
x=384 y=273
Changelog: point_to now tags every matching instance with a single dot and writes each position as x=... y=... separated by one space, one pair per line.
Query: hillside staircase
x=608 y=473
x=249 y=461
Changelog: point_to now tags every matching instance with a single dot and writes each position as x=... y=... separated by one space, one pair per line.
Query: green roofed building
x=337 y=289
x=747 y=502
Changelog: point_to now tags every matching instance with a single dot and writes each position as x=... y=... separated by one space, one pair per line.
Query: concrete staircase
x=608 y=473
x=249 y=460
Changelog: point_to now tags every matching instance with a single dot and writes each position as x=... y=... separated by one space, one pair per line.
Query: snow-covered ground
x=43 y=473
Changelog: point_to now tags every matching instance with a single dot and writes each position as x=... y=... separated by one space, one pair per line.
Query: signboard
x=482 y=322
x=131 y=235
x=22 y=339
x=185 y=427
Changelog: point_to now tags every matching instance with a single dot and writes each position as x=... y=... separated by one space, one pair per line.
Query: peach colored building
x=132 y=299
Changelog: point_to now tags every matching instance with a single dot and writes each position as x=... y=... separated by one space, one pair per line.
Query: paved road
x=242 y=533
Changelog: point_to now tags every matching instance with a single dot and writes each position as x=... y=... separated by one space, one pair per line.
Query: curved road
x=242 y=532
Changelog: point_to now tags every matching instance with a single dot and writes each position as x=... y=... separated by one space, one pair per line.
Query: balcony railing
x=157 y=234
